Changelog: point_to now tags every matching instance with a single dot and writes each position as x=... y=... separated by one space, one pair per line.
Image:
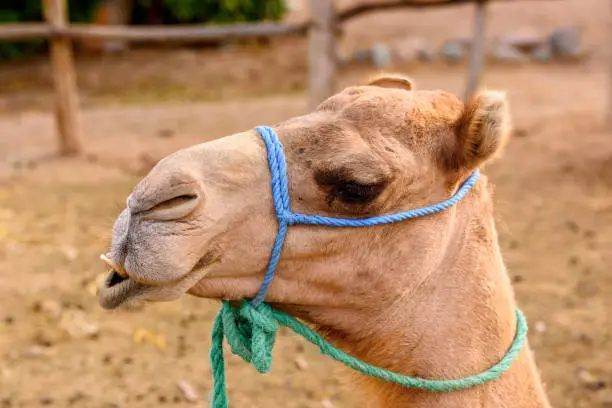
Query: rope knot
x=250 y=332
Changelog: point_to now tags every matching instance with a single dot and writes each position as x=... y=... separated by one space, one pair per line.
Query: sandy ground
x=59 y=349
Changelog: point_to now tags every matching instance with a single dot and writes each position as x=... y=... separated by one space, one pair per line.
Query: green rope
x=250 y=331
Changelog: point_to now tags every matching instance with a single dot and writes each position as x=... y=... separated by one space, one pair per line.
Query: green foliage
x=215 y=11
x=15 y=11
x=163 y=11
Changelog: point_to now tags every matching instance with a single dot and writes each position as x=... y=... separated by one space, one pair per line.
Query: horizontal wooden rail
x=379 y=5
x=184 y=33
x=25 y=31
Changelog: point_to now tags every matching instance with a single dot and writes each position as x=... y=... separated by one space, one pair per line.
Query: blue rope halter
x=286 y=217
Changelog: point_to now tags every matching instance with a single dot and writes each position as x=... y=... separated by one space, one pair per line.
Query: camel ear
x=482 y=130
x=391 y=81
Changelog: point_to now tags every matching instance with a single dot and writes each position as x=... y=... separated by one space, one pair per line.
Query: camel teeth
x=114 y=267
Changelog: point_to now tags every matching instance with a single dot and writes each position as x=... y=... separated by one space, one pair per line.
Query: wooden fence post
x=477 y=54
x=66 y=94
x=609 y=118
x=321 y=51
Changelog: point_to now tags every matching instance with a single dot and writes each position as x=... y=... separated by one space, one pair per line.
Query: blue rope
x=297 y=218
x=285 y=217
x=280 y=195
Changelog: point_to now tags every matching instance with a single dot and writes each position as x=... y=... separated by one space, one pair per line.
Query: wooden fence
x=322 y=30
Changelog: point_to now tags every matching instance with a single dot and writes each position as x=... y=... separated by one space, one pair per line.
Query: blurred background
x=123 y=105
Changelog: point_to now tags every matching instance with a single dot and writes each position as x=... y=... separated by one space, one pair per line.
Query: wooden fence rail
x=25 y=31
x=322 y=29
x=183 y=33
x=19 y=31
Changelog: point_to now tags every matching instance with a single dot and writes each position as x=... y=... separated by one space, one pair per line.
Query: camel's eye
x=344 y=186
x=356 y=193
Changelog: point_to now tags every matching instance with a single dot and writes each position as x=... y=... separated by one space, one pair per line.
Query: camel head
x=202 y=221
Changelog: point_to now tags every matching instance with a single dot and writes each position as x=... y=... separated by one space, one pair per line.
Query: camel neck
x=453 y=321
x=446 y=342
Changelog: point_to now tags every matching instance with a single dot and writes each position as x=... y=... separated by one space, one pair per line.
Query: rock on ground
x=381 y=55
x=507 y=53
x=524 y=41
x=543 y=53
x=413 y=49
x=453 y=50
x=565 y=42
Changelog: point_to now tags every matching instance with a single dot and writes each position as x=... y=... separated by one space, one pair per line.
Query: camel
x=429 y=297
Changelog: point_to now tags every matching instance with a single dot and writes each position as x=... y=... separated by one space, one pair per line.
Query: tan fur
x=428 y=297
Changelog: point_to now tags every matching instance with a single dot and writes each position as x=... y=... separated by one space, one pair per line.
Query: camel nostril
x=175 y=201
x=174 y=208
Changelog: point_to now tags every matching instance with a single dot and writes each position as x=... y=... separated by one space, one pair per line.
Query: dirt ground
x=59 y=349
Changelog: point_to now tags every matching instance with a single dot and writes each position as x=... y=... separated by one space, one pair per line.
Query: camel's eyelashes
x=355 y=193
x=341 y=185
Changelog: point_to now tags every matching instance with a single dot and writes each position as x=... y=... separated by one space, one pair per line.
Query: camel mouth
x=118 y=273
x=120 y=288
x=117 y=290
x=115 y=278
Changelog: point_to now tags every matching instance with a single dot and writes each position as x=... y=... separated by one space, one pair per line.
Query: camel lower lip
x=116 y=290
